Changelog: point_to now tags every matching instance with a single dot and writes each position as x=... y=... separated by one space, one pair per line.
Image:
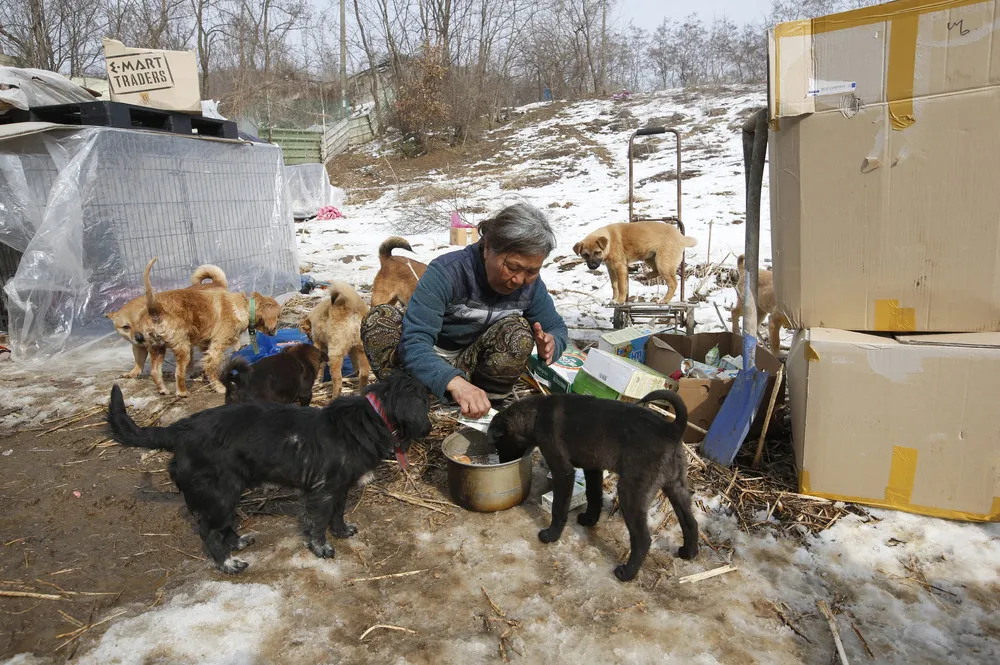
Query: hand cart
x=679 y=314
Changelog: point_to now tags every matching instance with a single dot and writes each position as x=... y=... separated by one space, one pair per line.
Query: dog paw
x=586 y=519
x=324 y=551
x=219 y=388
x=131 y=375
x=244 y=542
x=179 y=393
x=233 y=566
x=623 y=574
x=163 y=391
x=686 y=553
x=549 y=535
x=345 y=531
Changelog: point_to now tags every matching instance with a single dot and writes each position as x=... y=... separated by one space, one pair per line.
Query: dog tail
x=126 y=432
x=391 y=243
x=680 y=409
x=740 y=262
x=689 y=241
x=151 y=305
x=344 y=295
x=209 y=271
x=235 y=376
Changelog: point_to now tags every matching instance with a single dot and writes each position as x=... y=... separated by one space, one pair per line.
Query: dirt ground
x=111 y=570
x=92 y=530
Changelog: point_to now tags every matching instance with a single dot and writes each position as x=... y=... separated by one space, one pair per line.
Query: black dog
x=220 y=452
x=284 y=377
x=597 y=434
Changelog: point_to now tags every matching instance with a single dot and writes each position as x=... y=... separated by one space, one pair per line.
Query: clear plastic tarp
x=310 y=190
x=89 y=207
x=28 y=88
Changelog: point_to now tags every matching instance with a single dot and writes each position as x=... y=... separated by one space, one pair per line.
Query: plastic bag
x=89 y=207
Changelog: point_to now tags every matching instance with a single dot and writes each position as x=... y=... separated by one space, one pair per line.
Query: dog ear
x=577 y=247
x=407 y=403
x=603 y=242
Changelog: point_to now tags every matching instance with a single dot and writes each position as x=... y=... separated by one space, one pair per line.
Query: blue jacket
x=453 y=305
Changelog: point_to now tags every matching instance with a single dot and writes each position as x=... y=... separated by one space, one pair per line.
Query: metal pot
x=484 y=488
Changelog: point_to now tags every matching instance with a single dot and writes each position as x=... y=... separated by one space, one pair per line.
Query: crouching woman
x=475 y=315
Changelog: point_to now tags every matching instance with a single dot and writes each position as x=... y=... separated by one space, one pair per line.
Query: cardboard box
x=628 y=342
x=463 y=236
x=626 y=378
x=704 y=397
x=883 y=168
x=906 y=422
x=150 y=77
x=559 y=376
x=585 y=384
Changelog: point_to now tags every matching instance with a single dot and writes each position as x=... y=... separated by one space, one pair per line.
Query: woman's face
x=507 y=273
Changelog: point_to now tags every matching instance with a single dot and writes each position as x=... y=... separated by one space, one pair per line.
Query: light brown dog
x=397 y=277
x=334 y=326
x=132 y=322
x=659 y=244
x=766 y=305
x=210 y=319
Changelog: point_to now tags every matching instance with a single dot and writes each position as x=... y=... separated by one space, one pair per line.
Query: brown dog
x=766 y=305
x=285 y=377
x=210 y=319
x=132 y=322
x=659 y=244
x=334 y=326
x=397 y=277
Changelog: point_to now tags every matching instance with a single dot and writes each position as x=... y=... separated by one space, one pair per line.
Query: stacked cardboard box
x=885 y=222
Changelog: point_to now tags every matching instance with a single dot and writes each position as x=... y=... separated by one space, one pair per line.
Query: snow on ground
x=919 y=590
x=579 y=165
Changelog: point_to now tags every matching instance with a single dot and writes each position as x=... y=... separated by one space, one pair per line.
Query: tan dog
x=334 y=326
x=397 y=277
x=766 y=305
x=132 y=322
x=211 y=319
x=659 y=244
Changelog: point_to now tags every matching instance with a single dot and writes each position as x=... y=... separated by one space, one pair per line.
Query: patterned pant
x=494 y=362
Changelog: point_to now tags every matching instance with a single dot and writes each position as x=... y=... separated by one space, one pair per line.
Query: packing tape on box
x=889 y=316
x=901 y=473
x=903 y=17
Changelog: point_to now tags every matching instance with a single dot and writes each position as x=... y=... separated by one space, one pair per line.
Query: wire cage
x=88 y=208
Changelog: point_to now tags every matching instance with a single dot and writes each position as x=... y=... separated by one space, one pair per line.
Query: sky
x=649 y=13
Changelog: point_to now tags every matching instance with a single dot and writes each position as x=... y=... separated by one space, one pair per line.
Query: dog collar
x=252 y=325
x=380 y=410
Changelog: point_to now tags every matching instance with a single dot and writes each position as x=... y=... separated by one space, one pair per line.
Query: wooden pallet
x=125 y=116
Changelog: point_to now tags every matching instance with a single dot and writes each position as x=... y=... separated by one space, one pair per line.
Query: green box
x=585 y=384
x=559 y=376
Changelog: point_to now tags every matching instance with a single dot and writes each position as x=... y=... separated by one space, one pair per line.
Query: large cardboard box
x=150 y=77
x=905 y=422
x=704 y=397
x=884 y=154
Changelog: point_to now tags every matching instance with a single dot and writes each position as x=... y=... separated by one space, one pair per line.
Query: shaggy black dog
x=285 y=377
x=596 y=435
x=220 y=452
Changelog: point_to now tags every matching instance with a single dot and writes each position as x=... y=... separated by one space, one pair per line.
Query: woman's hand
x=473 y=400
x=545 y=343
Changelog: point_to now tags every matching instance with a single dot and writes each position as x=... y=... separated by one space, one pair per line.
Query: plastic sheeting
x=28 y=88
x=89 y=207
x=310 y=190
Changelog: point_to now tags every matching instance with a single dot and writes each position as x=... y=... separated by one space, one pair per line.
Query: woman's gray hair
x=518 y=229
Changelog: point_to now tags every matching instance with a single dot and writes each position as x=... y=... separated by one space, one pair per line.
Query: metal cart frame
x=681 y=313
